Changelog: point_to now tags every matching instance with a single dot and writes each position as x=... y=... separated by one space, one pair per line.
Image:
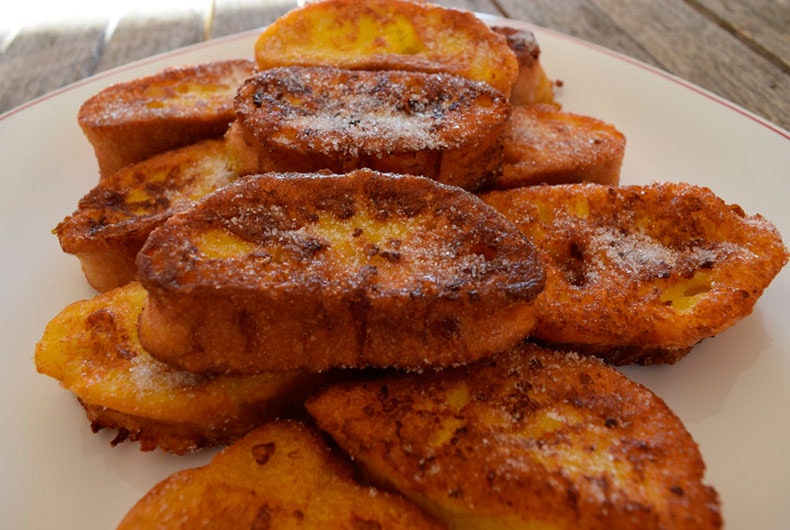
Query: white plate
x=732 y=392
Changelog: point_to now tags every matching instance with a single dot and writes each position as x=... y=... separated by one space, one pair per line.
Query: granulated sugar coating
x=531 y=438
x=358 y=112
x=148 y=375
x=131 y=121
x=292 y=271
x=643 y=257
x=92 y=349
x=641 y=273
x=310 y=118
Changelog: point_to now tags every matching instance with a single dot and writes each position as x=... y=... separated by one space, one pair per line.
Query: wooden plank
x=688 y=44
x=674 y=36
x=579 y=18
x=234 y=16
x=762 y=24
x=735 y=48
x=478 y=6
x=140 y=34
x=6 y=36
x=38 y=61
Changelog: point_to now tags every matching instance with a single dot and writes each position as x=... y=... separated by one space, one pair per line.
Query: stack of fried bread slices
x=384 y=242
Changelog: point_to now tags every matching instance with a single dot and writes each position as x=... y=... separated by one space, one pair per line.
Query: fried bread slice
x=134 y=120
x=311 y=271
x=531 y=438
x=282 y=475
x=544 y=145
x=93 y=350
x=313 y=118
x=388 y=35
x=641 y=273
x=532 y=85
x=113 y=220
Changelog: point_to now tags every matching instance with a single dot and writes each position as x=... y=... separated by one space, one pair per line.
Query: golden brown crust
x=312 y=118
x=641 y=273
x=290 y=271
x=282 y=475
x=388 y=35
x=532 y=84
x=93 y=350
x=135 y=120
x=171 y=437
x=531 y=438
x=113 y=220
x=543 y=145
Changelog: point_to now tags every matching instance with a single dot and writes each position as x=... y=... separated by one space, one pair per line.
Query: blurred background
x=737 y=49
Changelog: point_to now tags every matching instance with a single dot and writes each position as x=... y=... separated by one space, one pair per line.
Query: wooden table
x=737 y=49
